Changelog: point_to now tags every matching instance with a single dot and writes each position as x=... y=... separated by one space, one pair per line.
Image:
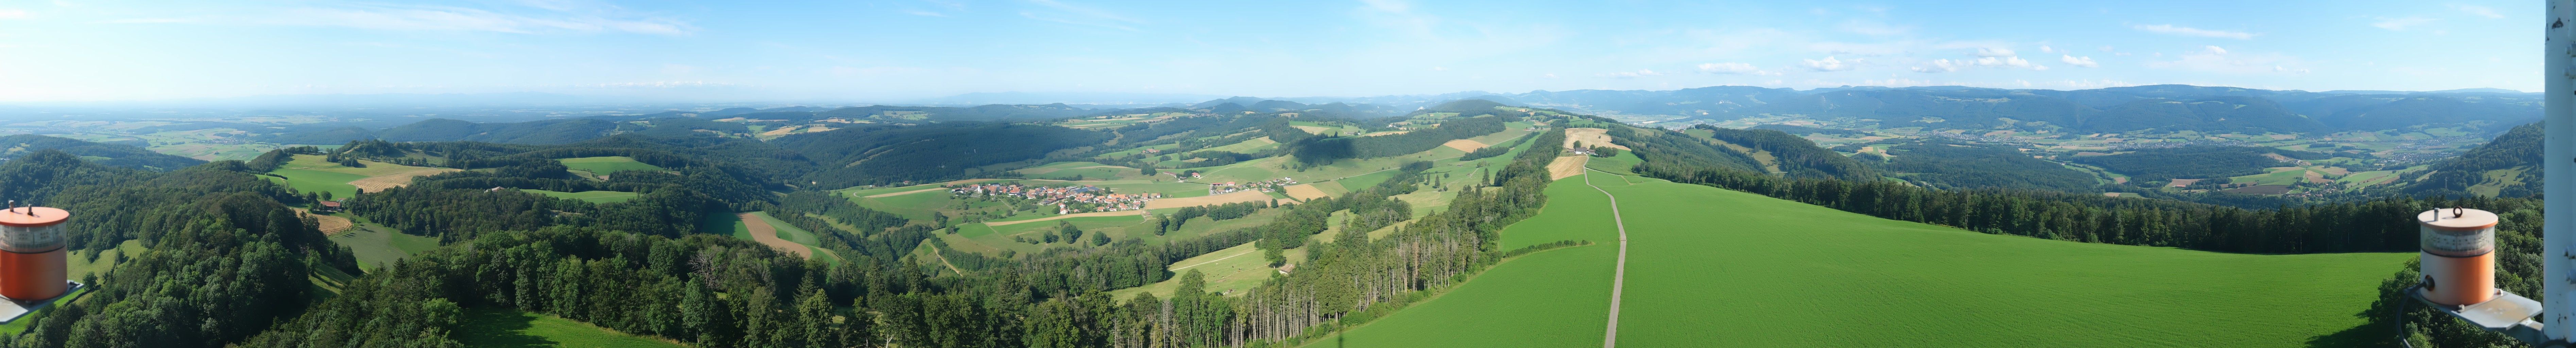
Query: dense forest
x=877 y=155
x=1952 y=164
x=2159 y=165
x=2518 y=148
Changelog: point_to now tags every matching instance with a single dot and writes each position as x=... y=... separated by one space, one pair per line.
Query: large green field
x=483 y=327
x=1555 y=298
x=606 y=165
x=309 y=173
x=376 y=245
x=1720 y=267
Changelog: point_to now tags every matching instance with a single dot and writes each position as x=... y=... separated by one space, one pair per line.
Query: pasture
x=1555 y=298
x=310 y=173
x=376 y=245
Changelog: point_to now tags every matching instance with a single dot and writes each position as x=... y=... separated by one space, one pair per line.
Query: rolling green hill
x=1711 y=265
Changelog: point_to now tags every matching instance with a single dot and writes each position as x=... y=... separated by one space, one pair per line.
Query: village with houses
x=1272 y=185
x=1067 y=199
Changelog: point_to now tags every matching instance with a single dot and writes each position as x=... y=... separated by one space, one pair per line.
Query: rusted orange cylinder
x=31 y=253
x=2459 y=255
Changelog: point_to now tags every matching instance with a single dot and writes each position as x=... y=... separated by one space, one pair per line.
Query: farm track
x=1619 y=275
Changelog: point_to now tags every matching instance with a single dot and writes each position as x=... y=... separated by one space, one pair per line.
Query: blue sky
x=862 y=51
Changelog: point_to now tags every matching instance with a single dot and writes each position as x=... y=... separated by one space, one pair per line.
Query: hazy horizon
x=894 y=51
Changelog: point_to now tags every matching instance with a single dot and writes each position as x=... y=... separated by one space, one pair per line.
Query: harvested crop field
x=331 y=225
x=1589 y=137
x=1567 y=166
x=1464 y=145
x=767 y=235
x=1304 y=191
x=1235 y=197
x=397 y=179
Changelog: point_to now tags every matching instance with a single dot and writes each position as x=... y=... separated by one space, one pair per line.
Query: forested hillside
x=23 y=145
x=2196 y=162
x=2509 y=166
x=889 y=154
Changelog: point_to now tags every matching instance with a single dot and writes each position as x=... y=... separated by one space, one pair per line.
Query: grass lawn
x=488 y=327
x=310 y=180
x=606 y=165
x=588 y=196
x=1620 y=164
x=79 y=262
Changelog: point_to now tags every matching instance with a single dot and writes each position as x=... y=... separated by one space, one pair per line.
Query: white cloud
x=2219 y=60
x=2400 y=24
x=1734 y=69
x=1551 y=76
x=1828 y=64
x=2482 y=11
x=2016 y=62
x=1940 y=66
x=2078 y=61
x=1633 y=74
x=2190 y=31
x=2213 y=49
x=1994 y=52
x=2106 y=48
x=2046 y=49
x=11 y=13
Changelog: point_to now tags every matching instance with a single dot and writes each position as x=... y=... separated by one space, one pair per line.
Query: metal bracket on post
x=2509 y=314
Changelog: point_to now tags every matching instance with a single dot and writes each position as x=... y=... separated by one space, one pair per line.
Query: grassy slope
x=1556 y=298
x=512 y=328
x=309 y=173
x=1796 y=275
x=1805 y=276
x=796 y=234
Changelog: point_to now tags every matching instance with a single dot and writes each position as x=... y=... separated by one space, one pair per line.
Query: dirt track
x=763 y=233
x=397 y=179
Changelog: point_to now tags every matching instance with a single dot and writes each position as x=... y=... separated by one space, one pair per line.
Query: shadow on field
x=498 y=328
x=2364 y=335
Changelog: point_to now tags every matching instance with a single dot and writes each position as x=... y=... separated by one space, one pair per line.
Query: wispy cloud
x=2400 y=24
x=1734 y=69
x=2481 y=11
x=2078 y=61
x=2190 y=31
x=442 y=18
x=11 y=13
x=1828 y=64
x=1994 y=52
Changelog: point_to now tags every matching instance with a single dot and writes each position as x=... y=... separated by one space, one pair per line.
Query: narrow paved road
x=1619 y=277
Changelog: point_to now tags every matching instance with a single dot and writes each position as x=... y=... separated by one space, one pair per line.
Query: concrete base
x=12 y=309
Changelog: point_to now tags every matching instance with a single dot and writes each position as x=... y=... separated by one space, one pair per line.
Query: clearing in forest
x=605 y=165
x=331 y=224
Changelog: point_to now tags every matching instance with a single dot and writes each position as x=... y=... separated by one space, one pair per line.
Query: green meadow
x=1713 y=267
x=485 y=327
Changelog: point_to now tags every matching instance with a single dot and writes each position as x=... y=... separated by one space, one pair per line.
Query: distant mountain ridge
x=119 y=155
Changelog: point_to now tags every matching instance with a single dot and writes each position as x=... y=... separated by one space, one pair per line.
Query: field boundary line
x=1619 y=275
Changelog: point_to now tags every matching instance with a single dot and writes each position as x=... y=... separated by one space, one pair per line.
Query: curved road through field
x=1610 y=338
